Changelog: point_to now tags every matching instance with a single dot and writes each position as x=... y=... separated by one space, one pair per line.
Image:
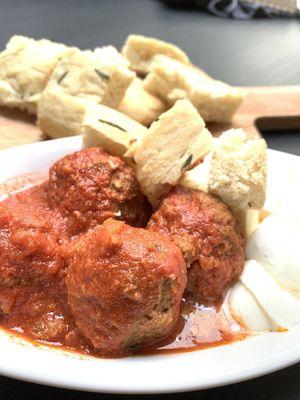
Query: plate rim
x=287 y=358
x=251 y=372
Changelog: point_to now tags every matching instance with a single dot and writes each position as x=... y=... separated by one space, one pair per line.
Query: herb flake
x=101 y=74
x=158 y=248
x=112 y=124
x=187 y=162
x=62 y=77
x=117 y=185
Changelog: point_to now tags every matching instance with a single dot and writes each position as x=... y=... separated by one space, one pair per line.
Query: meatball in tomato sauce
x=90 y=186
x=32 y=273
x=210 y=239
x=125 y=286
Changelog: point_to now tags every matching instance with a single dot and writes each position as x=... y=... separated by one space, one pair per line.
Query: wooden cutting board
x=264 y=108
x=17 y=127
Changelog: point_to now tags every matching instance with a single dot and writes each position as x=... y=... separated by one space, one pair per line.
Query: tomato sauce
x=41 y=311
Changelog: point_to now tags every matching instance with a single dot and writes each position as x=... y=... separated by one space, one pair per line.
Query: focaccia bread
x=59 y=114
x=141 y=105
x=197 y=178
x=172 y=144
x=140 y=50
x=81 y=78
x=238 y=170
x=172 y=80
x=92 y=75
x=117 y=133
x=25 y=67
x=110 y=54
x=235 y=171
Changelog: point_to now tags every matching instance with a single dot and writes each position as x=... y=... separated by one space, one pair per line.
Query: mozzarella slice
x=283 y=184
x=282 y=308
x=247 y=311
x=275 y=245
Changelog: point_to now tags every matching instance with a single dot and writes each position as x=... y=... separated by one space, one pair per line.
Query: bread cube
x=140 y=50
x=25 y=68
x=103 y=126
x=141 y=105
x=80 y=78
x=172 y=80
x=238 y=170
x=92 y=75
x=60 y=114
x=172 y=144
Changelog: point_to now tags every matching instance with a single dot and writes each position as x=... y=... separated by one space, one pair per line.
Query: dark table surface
x=249 y=53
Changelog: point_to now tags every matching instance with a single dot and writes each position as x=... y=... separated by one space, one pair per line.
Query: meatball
x=209 y=237
x=90 y=186
x=30 y=262
x=124 y=286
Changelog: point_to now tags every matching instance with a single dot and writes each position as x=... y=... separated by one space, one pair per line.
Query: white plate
x=143 y=374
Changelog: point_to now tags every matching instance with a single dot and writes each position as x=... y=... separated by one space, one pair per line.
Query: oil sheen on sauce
x=199 y=327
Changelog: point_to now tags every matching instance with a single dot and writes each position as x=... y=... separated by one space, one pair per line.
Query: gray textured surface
x=257 y=52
